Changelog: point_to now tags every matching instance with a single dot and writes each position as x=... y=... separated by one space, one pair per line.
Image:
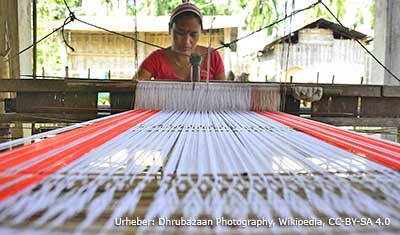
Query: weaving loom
x=216 y=153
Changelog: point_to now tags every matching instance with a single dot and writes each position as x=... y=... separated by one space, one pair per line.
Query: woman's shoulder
x=154 y=60
x=203 y=50
x=156 y=57
x=157 y=52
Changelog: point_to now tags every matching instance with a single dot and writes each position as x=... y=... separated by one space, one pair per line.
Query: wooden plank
x=380 y=107
x=391 y=91
x=46 y=117
x=335 y=106
x=57 y=102
x=341 y=90
x=30 y=85
x=352 y=90
x=100 y=85
x=54 y=85
x=43 y=85
x=353 y=121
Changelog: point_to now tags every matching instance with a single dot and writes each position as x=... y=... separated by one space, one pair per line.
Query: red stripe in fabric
x=334 y=139
x=370 y=147
x=28 y=152
x=51 y=160
x=376 y=142
x=64 y=158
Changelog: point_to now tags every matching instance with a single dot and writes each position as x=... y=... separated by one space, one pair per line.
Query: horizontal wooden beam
x=47 y=117
x=342 y=89
x=353 y=121
x=55 y=85
x=51 y=117
x=391 y=91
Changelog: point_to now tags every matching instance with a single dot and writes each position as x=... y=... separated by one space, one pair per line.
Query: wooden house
x=320 y=52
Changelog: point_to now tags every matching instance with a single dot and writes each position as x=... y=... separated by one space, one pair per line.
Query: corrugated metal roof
x=338 y=30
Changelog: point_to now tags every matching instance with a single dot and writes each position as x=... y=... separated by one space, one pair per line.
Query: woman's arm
x=143 y=74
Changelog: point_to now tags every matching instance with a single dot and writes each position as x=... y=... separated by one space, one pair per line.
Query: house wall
x=103 y=52
x=325 y=60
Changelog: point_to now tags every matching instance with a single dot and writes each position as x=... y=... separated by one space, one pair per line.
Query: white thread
x=239 y=164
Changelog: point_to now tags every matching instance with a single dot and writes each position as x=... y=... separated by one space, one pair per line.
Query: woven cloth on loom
x=201 y=96
x=205 y=165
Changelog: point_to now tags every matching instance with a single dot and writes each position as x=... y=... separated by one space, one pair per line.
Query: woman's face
x=185 y=34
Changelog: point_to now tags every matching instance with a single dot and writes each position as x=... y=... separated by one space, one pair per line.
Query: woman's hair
x=185 y=9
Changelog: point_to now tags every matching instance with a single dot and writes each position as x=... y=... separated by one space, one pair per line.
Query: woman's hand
x=142 y=74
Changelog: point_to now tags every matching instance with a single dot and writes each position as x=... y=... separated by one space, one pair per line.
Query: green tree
x=264 y=12
x=260 y=13
x=338 y=7
x=372 y=9
x=158 y=8
x=48 y=51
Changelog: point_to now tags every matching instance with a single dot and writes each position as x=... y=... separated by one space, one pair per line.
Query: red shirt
x=158 y=66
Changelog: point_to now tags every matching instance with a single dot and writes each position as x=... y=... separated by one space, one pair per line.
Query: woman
x=172 y=63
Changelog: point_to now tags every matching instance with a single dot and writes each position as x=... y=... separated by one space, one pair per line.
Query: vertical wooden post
x=66 y=72
x=34 y=38
x=136 y=45
x=398 y=135
x=333 y=79
x=9 y=34
x=317 y=77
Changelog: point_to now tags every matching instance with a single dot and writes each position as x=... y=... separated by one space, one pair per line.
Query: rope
x=67 y=21
x=120 y=34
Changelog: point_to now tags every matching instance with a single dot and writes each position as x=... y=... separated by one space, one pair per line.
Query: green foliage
x=55 y=9
x=338 y=7
x=372 y=12
x=48 y=51
x=359 y=19
x=261 y=13
x=134 y=7
x=158 y=8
